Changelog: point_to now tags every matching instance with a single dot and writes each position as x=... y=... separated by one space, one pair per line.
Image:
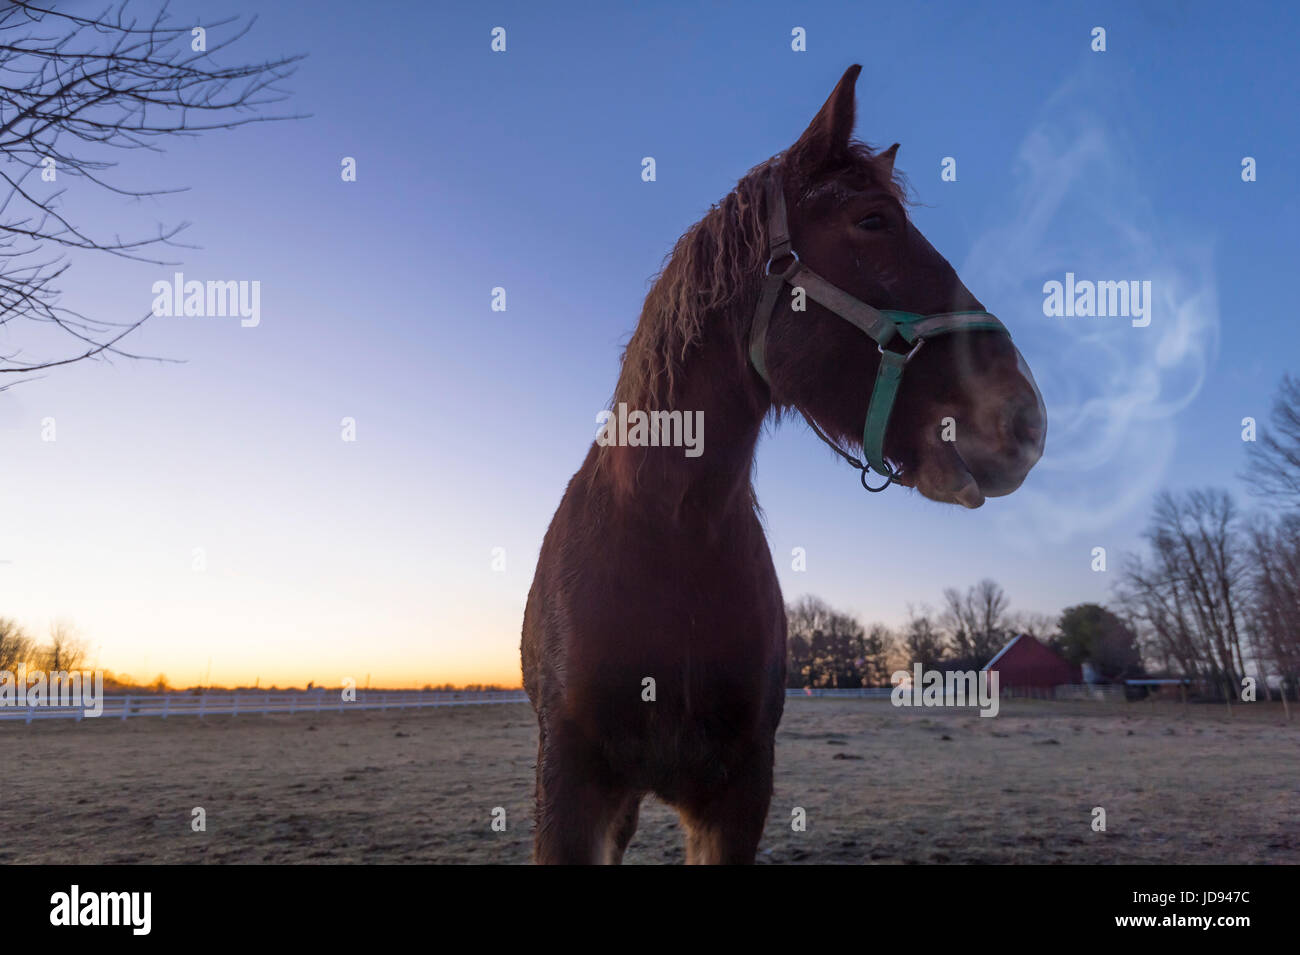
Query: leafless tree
x=1191 y=595
x=15 y=645
x=1274 y=618
x=922 y=640
x=73 y=90
x=1274 y=459
x=976 y=622
x=65 y=650
x=1041 y=626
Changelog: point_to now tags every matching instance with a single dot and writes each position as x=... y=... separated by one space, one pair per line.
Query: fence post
x=235 y=710
x=203 y=699
x=167 y=705
x=126 y=707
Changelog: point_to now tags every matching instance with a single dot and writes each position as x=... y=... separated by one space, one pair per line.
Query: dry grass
x=879 y=784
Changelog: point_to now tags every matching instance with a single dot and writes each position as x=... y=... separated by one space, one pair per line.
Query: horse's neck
x=717 y=388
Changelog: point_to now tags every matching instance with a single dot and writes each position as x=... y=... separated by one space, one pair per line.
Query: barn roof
x=1026 y=661
x=997 y=656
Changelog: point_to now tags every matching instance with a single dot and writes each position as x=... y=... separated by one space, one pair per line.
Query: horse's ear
x=825 y=142
x=886 y=160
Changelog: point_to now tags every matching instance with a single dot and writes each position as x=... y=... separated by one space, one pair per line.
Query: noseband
x=885 y=328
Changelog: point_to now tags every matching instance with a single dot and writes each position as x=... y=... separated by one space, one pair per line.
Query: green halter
x=883 y=327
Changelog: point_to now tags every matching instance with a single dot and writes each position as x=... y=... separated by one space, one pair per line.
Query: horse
x=654 y=636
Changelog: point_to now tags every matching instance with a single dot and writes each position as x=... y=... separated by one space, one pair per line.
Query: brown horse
x=654 y=639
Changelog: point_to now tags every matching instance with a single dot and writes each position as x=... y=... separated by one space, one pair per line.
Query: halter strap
x=884 y=327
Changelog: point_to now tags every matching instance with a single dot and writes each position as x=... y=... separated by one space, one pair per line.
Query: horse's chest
x=681 y=603
x=698 y=639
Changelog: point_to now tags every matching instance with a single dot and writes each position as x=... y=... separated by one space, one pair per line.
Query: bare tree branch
x=74 y=87
x=1274 y=460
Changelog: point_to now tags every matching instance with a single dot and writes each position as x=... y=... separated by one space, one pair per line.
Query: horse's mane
x=715 y=268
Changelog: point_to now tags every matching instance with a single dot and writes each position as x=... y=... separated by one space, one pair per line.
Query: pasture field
x=879 y=785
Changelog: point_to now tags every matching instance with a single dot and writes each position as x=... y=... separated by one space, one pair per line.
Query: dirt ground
x=878 y=784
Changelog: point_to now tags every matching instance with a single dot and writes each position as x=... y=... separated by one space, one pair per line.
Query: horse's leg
x=580 y=810
x=623 y=827
x=725 y=828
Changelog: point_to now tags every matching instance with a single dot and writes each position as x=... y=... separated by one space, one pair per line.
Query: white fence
x=257 y=703
x=1109 y=693
x=254 y=703
x=1101 y=692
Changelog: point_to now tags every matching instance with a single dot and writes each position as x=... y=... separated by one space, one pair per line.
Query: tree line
x=62 y=649
x=827 y=648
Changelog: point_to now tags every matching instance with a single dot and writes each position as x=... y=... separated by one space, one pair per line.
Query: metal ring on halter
x=910 y=355
x=889 y=479
x=795 y=263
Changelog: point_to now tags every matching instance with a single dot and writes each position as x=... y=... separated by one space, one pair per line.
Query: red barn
x=1027 y=663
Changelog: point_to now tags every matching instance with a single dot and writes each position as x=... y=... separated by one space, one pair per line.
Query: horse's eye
x=873 y=223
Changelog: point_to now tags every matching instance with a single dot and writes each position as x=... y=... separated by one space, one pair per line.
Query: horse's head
x=967 y=421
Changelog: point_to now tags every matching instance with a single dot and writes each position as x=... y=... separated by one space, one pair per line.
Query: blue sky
x=521 y=169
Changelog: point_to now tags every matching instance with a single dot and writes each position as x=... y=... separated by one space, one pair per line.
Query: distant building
x=1027 y=663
